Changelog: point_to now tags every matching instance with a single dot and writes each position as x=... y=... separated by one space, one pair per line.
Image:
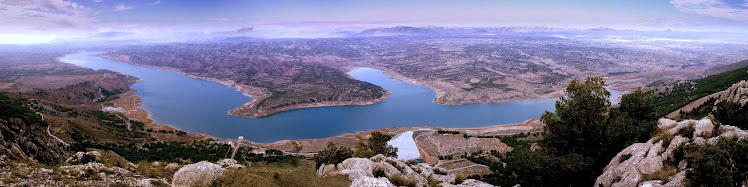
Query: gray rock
x=149 y=182
x=388 y=169
x=229 y=163
x=627 y=169
x=172 y=166
x=654 y=183
x=703 y=128
x=200 y=174
x=329 y=170
x=357 y=167
x=630 y=178
x=655 y=150
x=366 y=181
x=674 y=144
x=729 y=131
x=651 y=165
x=676 y=180
x=665 y=123
x=699 y=140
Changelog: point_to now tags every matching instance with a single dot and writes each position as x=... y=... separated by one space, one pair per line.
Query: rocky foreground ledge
x=387 y=171
x=648 y=164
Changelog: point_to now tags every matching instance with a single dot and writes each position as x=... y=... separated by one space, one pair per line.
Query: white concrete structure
x=406 y=146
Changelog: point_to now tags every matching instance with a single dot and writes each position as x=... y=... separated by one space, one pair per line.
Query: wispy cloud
x=123 y=7
x=98 y=1
x=42 y=15
x=154 y=3
x=715 y=8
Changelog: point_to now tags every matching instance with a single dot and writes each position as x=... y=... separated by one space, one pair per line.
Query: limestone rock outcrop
x=199 y=174
x=632 y=165
x=229 y=163
x=380 y=171
x=737 y=93
x=371 y=181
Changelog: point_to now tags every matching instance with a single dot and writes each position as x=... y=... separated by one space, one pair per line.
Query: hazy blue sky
x=32 y=20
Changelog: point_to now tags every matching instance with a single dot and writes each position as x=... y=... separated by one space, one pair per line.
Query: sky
x=39 y=21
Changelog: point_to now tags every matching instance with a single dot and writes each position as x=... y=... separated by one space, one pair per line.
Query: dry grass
x=460 y=178
x=400 y=180
x=288 y=175
x=146 y=169
x=665 y=137
x=667 y=171
x=393 y=163
x=433 y=182
x=440 y=171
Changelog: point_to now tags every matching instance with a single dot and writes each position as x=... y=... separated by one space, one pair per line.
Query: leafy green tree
x=639 y=104
x=578 y=123
x=376 y=144
x=633 y=121
x=332 y=154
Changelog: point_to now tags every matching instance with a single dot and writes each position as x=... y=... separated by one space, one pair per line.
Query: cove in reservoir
x=200 y=106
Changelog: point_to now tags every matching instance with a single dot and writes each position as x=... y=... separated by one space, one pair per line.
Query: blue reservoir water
x=200 y=106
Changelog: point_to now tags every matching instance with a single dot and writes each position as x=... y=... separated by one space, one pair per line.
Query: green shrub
x=722 y=164
x=376 y=144
x=332 y=155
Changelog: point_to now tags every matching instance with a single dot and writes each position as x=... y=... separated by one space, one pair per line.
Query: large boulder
x=620 y=168
x=357 y=167
x=199 y=174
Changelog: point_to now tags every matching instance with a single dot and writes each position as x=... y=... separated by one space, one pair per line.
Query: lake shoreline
x=412 y=106
x=256 y=94
x=441 y=93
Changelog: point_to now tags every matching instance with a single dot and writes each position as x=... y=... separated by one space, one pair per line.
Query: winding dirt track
x=50 y=133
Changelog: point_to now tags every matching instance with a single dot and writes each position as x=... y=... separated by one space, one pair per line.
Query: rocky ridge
x=386 y=171
x=737 y=93
x=633 y=165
